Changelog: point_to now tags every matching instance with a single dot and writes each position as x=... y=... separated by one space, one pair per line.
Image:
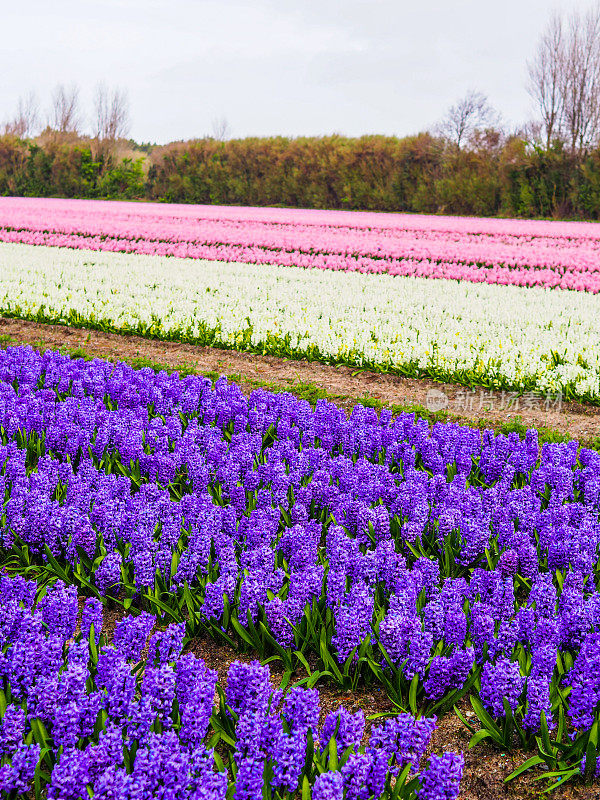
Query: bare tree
x=65 y=115
x=220 y=129
x=111 y=114
x=581 y=90
x=546 y=78
x=532 y=132
x=466 y=116
x=26 y=120
x=564 y=79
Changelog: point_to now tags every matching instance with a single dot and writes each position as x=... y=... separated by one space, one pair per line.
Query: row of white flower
x=521 y=338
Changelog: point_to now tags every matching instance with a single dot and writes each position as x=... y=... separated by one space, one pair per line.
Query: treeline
x=493 y=176
x=67 y=166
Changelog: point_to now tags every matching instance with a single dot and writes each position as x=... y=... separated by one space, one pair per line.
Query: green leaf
x=348 y=662
x=463 y=720
x=545 y=734
x=564 y=776
x=561 y=723
x=455 y=697
x=283 y=653
x=590 y=754
x=218 y=762
x=39 y=732
x=304 y=662
x=174 y=562
x=400 y=782
x=287 y=676
x=163 y=606
x=241 y=632
x=480 y=736
x=333 y=754
x=412 y=694
x=485 y=718
x=306 y=793
x=330 y=661
x=310 y=753
x=509 y=724
x=58 y=570
x=534 y=761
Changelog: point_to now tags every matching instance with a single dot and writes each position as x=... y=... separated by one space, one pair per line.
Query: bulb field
x=338 y=287
x=510 y=252
x=452 y=570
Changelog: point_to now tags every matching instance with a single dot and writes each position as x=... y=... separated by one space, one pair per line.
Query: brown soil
x=578 y=420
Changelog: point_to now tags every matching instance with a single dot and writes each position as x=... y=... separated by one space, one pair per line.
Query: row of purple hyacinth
x=81 y=718
x=441 y=558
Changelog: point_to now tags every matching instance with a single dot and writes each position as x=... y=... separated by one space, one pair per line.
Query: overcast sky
x=275 y=66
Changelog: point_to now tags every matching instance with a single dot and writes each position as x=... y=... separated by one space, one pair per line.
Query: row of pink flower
x=521 y=252
x=420 y=237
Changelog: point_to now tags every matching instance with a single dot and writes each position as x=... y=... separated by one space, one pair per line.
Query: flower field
x=436 y=564
x=80 y=713
x=452 y=570
x=502 y=337
x=509 y=252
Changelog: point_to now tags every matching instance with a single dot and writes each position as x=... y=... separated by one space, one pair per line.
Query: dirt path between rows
x=580 y=421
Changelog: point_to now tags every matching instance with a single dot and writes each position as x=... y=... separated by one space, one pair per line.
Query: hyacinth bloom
x=263 y=510
x=329 y=786
x=501 y=682
x=441 y=779
x=538 y=701
x=156 y=747
x=345 y=727
x=68 y=695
